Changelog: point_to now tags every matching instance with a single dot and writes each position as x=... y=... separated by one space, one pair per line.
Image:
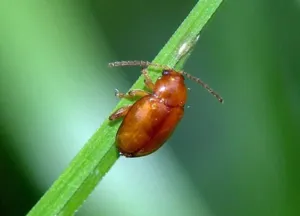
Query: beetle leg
x=119 y=113
x=148 y=81
x=131 y=94
x=126 y=154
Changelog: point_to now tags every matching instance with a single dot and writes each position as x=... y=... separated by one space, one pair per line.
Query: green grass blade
x=75 y=184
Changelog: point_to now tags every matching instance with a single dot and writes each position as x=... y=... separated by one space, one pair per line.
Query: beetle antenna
x=203 y=84
x=146 y=64
x=136 y=63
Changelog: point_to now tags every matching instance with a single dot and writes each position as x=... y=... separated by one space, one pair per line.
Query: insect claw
x=117 y=92
x=129 y=155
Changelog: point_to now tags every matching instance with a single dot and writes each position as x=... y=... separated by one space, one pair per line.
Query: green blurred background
x=240 y=158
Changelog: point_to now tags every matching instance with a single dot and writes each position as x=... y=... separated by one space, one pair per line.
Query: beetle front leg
x=131 y=94
x=148 y=81
x=119 y=113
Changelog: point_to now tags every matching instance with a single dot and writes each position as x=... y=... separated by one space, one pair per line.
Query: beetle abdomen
x=149 y=124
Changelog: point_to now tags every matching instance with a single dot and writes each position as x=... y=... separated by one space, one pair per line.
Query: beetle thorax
x=171 y=90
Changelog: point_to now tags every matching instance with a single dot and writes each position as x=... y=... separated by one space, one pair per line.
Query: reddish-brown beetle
x=151 y=120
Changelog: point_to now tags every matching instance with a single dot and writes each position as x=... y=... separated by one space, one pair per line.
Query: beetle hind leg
x=119 y=113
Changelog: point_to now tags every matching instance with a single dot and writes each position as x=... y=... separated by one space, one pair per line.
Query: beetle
x=151 y=120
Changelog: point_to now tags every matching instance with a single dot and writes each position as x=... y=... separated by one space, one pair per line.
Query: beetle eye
x=165 y=72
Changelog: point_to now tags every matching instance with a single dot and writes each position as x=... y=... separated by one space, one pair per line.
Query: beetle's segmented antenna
x=136 y=63
x=146 y=64
x=198 y=80
x=129 y=63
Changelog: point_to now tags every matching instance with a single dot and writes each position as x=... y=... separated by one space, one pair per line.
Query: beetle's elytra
x=152 y=119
